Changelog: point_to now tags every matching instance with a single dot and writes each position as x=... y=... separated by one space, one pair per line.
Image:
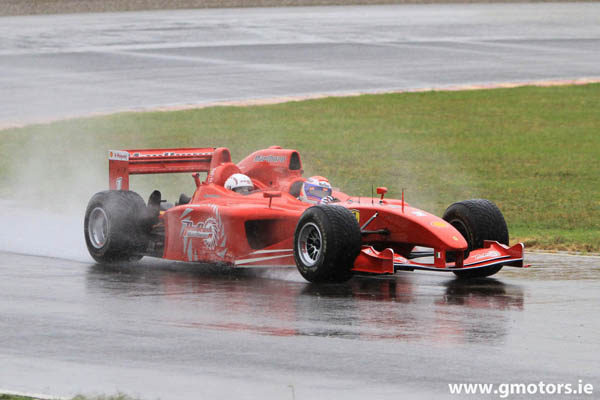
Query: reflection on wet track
x=167 y=329
x=265 y=302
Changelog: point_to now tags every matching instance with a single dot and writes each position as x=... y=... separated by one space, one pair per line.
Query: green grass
x=534 y=151
x=119 y=396
x=4 y=396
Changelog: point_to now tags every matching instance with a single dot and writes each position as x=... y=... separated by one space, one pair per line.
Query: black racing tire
x=477 y=220
x=113 y=226
x=326 y=243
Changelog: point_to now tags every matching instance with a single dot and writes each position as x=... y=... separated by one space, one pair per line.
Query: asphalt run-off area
x=56 y=66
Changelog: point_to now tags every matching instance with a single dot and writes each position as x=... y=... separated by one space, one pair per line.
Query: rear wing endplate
x=122 y=163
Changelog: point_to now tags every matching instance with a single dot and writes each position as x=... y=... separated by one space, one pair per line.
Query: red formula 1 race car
x=262 y=212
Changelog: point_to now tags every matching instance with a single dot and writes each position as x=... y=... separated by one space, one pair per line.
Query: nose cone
x=449 y=235
x=425 y=229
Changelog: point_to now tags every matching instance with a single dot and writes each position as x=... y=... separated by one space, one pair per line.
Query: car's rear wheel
x=477 y=220
x=326 y=243
x=113 y=226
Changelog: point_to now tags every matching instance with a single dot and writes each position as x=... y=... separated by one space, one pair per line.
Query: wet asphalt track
x=58 y=66
x=175 y=330
x=169 y=330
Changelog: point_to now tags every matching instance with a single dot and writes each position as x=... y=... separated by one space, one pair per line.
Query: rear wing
x=122 y=163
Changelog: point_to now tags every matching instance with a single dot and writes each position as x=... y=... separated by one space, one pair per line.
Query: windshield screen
x=319 y=191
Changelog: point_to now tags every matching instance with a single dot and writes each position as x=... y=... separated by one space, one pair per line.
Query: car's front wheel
x=477 y=220
x=326 y=243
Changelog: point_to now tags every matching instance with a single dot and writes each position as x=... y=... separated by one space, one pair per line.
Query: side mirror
x=382 y=191
x=270 y=194
x=196 y=177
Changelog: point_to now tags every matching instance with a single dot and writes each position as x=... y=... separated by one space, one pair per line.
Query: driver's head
x=239 y=183
x=315 y=189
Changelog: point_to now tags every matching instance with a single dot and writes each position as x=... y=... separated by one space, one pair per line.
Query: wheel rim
x=98 y=227
x=310 y=244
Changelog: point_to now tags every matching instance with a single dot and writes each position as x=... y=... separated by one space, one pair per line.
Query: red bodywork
x=219 y=225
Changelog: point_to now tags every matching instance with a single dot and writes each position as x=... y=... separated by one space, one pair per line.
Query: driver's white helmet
x=239 y=183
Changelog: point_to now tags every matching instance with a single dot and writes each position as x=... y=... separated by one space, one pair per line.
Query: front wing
x=387 y=262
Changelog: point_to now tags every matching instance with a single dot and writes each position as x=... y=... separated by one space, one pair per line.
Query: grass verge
x=535 y=151
x=4 y=396
x=119 y=396
x=28 y=7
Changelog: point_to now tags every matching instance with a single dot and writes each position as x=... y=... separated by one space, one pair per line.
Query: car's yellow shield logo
x=439 y=224
x=356 y=214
